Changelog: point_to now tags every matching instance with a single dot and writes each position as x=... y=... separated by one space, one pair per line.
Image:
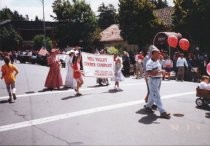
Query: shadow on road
x=51 y=89
x=4 y=101
x=73 y=96
x=96 y=86
x=113 y=91
x=68 y=97
x=150 y=118
x=178 y=115
x=206 y=108
x=30 y=92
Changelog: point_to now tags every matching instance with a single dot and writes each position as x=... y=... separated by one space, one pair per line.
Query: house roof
x=112 y=33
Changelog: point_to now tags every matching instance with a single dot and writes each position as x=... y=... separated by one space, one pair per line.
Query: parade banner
x=98 y=65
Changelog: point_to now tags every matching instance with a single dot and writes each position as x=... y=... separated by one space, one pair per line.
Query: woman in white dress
x=118 y=76
x=70 y=82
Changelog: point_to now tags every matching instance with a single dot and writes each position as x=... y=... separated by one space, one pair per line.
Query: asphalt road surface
x=101 y=116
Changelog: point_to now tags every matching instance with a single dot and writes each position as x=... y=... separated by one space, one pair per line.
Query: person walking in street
x=54 y=78
x=155 y=72
x=9 y=73
x=181 y=63
x=118 y=76
x=70 y=82
x=77 y=73
x=146 y=58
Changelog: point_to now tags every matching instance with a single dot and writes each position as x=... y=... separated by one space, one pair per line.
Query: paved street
x=101 y=116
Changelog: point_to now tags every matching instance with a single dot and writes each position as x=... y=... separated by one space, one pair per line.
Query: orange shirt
x=8 y=73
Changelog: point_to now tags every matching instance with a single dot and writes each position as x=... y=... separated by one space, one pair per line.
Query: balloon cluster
x=183 y=43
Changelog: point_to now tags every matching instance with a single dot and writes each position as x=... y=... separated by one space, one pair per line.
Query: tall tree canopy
x=9 y=38
x=137 y=21
x=107 y=16
x=77 y=22
x=159 y=4
x=191 y=18
x=6 y=13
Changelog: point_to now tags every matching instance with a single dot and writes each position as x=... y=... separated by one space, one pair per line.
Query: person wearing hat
x=154 y=73
x=70 y=82
x=54 y=78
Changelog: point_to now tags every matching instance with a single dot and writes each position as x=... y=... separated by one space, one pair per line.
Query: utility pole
x=44 y=24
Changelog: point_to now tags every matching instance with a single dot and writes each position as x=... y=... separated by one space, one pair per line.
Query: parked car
x=42 y=60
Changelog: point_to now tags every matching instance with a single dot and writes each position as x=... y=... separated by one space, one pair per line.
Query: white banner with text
x=98 y=65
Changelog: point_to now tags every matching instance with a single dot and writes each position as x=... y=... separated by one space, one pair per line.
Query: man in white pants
x=155 y=72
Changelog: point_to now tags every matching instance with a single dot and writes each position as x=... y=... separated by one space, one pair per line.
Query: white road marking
x=80 y=113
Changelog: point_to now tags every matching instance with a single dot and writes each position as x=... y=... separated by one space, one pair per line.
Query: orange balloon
x=172 y=41
x=184 y=44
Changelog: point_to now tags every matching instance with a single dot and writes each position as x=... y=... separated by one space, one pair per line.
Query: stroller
x=203 y=97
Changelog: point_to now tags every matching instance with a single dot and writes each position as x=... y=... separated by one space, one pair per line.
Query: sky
x=34 y=8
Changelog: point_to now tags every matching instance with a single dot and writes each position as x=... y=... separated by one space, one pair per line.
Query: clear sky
x=34 y=8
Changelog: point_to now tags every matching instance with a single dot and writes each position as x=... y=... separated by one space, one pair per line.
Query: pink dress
x=54 y=78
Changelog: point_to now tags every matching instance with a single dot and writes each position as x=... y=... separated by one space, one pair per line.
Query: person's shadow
x=4 y=101
x=149 y=118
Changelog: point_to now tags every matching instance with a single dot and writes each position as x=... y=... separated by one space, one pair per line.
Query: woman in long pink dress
x=54 y=78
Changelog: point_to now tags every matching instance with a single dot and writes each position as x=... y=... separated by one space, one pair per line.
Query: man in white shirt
x=155 y=72
x=181 y=63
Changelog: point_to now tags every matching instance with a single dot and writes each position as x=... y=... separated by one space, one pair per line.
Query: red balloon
x=172 y=41
x=184 y=44
x=208 y=68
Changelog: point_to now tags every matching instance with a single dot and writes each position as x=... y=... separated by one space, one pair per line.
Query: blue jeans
x=154 y=93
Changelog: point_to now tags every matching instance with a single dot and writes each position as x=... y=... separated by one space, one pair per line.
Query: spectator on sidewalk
x=181 y=63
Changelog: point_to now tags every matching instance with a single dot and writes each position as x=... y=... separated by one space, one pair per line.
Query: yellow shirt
x=8 y=73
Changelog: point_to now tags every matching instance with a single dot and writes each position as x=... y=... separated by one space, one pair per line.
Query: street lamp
x=44 y=24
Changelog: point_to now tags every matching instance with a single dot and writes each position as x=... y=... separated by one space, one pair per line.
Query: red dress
x=54 y=78
x=77 y=73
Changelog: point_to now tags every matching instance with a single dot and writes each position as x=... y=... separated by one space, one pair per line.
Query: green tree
x=191 y=19
x=77 y=22
x=159 y=4
x=38 y=42
x=9 y=38
x=6 y=13
x=107 y=16
x=137 y=21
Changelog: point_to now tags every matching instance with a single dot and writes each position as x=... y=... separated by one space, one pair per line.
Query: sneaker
x=165 y=115
x=148 y=109
x=14 y=96
x=10 y=100
x=154 y=107
x=78 y=94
